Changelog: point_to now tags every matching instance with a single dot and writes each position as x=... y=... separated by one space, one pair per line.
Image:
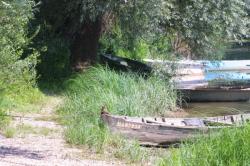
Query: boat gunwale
x=201 y=128
x=227 y=89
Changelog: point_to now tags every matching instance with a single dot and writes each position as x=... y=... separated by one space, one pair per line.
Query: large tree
x=82 y=22
x=199 y=27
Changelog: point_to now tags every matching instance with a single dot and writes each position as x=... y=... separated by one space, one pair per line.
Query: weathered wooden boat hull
x=215 y=95
x=150 y=133
x=146 y=133
x=164 y=131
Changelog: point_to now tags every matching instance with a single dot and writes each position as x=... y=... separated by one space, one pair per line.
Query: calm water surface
x=221 y=108
x=216 y=108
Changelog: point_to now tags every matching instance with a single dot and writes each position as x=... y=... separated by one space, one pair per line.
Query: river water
x=216 y=108
x=222 y=108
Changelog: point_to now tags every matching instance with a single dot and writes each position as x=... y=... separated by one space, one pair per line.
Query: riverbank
x=77 y=122
x=37 y=139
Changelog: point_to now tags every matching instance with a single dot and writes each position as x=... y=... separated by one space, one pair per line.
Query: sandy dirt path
x=40 y=142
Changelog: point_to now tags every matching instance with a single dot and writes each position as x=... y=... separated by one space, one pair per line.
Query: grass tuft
x=9 y=132
x=229 y=147
x=123 y=94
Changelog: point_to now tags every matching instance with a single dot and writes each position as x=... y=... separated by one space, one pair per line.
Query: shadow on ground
x=14 y=151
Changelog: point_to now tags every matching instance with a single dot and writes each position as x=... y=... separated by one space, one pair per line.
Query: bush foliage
x=17 y=58
x=16 y=71
x=192 y=28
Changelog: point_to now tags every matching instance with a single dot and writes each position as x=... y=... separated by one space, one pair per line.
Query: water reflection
x=216 y=108
x=224 y=71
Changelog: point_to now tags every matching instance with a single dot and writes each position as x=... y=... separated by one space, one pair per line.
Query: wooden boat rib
x=161 y=131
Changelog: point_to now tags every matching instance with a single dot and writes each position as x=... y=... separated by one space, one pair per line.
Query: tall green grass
x=24 y=99
x=122 y=94
x=230 y=147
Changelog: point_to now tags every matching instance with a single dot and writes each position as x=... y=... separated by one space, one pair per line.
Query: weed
x=48 y=118
x=24 y=129
x=45 y=131
x=9 y=132
x=130 y=151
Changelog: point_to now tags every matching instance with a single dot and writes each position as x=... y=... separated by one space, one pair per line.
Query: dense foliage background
x=18 y=60
x=138 y=29
x=193 y=28
x=47 y=33
x=17 y=67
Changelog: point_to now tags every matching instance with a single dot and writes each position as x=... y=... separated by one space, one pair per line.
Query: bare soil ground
x=38 y=141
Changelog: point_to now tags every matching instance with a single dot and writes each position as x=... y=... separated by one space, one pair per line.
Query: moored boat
x=162 y=131
x=126 y=64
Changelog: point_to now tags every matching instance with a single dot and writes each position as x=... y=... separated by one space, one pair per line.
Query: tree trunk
x=85 y=45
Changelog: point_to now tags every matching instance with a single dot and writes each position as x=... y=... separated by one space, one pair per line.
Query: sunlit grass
x=23 y=130
x=228 y=147
x=122 y=94
x=29 y=100
x=9 y=132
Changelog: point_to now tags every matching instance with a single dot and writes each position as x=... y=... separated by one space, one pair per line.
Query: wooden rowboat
x=164 y=131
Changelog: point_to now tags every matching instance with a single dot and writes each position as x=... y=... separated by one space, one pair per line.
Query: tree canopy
x=194 y=27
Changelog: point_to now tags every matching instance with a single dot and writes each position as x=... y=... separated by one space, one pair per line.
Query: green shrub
x=120 y=44
x=160 y=48
x=116 y=42
x=16 y=71
x=18 y=58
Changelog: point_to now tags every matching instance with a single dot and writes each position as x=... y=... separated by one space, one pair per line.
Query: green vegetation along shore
x=228 y=147
x=51 y=47
x=122 y=93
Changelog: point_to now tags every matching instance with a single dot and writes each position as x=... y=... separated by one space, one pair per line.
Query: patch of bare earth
x=39 y=142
